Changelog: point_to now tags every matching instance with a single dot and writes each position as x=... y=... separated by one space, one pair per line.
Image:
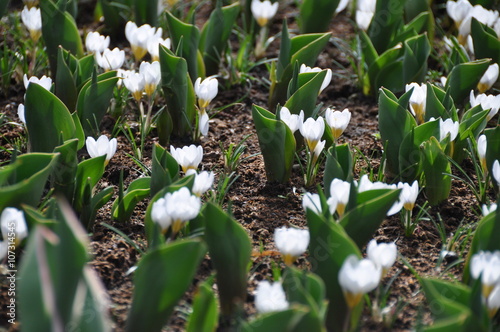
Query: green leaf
x=386 y=21
x=91 y=169
x=464 y=77
x=306 y=96
x=329 y=247
x=416 y=53
x=230 y=248
x=63 y=175
x=162 y=277
x=370 y=209
x=137 y=191
x=339 y=165
x=315 y=15
x=205 y=314
x=164 y=169
x=277 y=144
x=65 y=86
x=23 y=181
x=436 y=168
x=280 y=321
x=48 y=121
x=492 y=148
x=486 y=43
x=146 y=12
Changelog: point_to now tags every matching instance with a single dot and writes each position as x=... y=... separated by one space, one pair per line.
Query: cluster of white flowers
x=486 y=265
x=205 y=90
x=144 y=81
x=490 y=102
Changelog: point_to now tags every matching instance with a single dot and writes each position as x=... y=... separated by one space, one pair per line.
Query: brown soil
x=261 y=206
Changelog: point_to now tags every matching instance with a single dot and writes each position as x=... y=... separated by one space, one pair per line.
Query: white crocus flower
x=490 y=102
x=152 y=76
x=154 y=47
x=458 y=10
x=203 y=123
x=135 y=83
x=110 y=59
x=312 y=131
x=341 y=6
x=20 y=113
x=96 y=43
x=326 y=81
x=496 y=172
x=481 y=151
x=263 y=11
x=488 y=79
x=293 y=121
x=270 y=297
x=32 y=20
x=103 y=146
x=159 y=215
x=382 y=254
x=446 y=127
x=202 y=181
x=181 y=206
x=408 y=194
x=488 y=209
x=487 y=265
x=189 y=157
x=417 y=100
x=291 y=242
x=494 y=301
x=337 y=121
x=311 y=202
x=13 y=224
x=365 y=10
x=358 y=277
x=122 y=74
x=317 y=150
x=365 y=184
x=44 y=81
x=205 y=90
x=340 y=191
x=139 y=37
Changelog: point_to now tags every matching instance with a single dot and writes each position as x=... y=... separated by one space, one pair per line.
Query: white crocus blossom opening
x=103 y=146
x=205 y=90
x=365 y=10
x=12 y=221
x=263 y=11
x=487 y=265
x=458 y=10
x=110 y=59
x=481 y=151
x=44 y=81
x=496 y=172
x=382 y=254
x=270 y=297
x=139 y=37
x=152 y=76
x=408 y=194
x=337 y=121
x=490 y=102
x=154 y=46
x=312 y=131
x=202 y=181
x=488 y=79
x=417 y=100
x=293 y=121
x=188 y=157
x=446 y=127
x=96 y=43
x=32 y=20
x=365 y=184
x=291 y=243
x=326 y=81
x=175 y=209
x=488 y=209
x=135 y=83
x=20 y=113
x=358 y=277
x=311 y=202
x=340 y=191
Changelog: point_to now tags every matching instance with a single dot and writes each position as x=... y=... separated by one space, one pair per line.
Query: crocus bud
x=152 y=76
x=293 y=121
x=341 y=191
x=408 y=195
x=263 y=11
x=103 y=146
x=270 y=297
x=382 y=254
x=487 y=265
x=488 y=209
x=496 y=172
x=311 y=202
x=13 y=225
x=481 y=151
x=110 y=59
x=32 y=20
x=357 y=277
x=337 y=121
x=291 y=242
x=488 y=79
x=20 y=113
x=188 y=157
x=96 y=43
x=205 y=90
x=203 y=123
x=417 y=100
x=202 y=181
